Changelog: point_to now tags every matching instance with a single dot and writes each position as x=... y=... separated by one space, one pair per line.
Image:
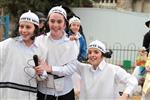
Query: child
x=74 y=34
x=74 y=26
x=17 y=80
x=59 y=50
x=146 y=86
x=99 y=79
x=139 y=71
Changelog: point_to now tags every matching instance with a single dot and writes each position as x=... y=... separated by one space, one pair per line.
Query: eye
x=59 y=21
x=28 y=27
x=78 y=25
x=52 y=21
x=21 y=26
x=89 y=51
x=96 y=51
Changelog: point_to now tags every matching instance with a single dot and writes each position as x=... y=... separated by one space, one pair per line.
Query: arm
x=83 y=50
x=127 y=79
x=67 y=69
x=4 y=48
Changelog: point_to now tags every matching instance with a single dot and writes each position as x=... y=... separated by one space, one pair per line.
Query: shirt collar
x=101 y=66
x=65 y=38
x=19 y=39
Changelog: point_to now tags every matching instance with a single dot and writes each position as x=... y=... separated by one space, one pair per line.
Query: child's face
x=75 y=26
x=26 y=30
x=94 y=56
x=56 y=23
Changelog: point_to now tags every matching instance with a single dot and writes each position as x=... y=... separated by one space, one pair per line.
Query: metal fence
x=122 y=54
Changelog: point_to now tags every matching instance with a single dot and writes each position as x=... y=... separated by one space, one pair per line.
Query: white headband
x=58 y=9
x=30 y=17
x=74 y=19
x=98 y=45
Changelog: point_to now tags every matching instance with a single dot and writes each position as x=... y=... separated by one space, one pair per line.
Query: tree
x=17 y=7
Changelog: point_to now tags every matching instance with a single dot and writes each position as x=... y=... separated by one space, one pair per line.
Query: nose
x=55 y=24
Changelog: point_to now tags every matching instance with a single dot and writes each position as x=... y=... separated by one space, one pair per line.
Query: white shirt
x=59 y=52
x=16 y=80
x=101 y=83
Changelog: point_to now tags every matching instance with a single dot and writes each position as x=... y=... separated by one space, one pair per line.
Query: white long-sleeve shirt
x=59 y=52
x=17 y=81
x=99 y=84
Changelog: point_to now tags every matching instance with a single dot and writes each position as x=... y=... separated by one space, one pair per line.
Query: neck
x=28 y=42
x=57 y=36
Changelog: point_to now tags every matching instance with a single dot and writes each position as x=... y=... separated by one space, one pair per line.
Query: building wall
x=112 y=26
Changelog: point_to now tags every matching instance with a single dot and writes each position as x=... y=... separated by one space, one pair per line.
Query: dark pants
x=68 y=96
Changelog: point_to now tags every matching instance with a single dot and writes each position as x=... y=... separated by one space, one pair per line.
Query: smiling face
x=94 y=56
x=26 y=30
x=75 y=26
x=56 y=24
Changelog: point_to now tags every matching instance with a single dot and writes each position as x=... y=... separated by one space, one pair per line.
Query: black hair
x=108 y=53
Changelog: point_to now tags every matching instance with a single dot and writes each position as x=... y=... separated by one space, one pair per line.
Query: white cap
x=98 y=45
x=74 y=19
x=58 y=9
x=30 y=17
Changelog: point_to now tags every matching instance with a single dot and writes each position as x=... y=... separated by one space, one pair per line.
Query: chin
x=26 y=38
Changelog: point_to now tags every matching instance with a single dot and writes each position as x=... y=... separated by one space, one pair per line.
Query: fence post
x=6 y=26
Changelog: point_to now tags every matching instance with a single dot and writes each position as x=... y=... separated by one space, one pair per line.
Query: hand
x=43 y=67
x=73 y=37
x=141 y=81
x=124 y=97
x=148 y=68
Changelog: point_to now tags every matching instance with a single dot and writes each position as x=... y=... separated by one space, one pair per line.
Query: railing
x=122 y=54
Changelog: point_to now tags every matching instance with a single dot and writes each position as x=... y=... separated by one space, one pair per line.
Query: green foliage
x=17 y=7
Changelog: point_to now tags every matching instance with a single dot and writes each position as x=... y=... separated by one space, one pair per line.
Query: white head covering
x=58 y=9
x=98 y=45
x=30 y=17
x=74 y=19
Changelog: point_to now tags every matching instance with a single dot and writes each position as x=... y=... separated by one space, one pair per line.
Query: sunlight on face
x=75 y=26
x=56 y=22
x=26 y=30
x=94 y=56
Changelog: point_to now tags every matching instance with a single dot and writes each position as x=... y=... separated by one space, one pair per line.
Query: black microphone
x=44 y=74
x=35 y=58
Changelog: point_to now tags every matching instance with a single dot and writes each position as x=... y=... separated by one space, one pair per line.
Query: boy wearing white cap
x=74 y=26
x=99 y=79
x=17 y=76
x=74 y=34
x=60 y=51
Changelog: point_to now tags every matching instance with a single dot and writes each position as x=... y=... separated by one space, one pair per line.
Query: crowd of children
x=60 y=54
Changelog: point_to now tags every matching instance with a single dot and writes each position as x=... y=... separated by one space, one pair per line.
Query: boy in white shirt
x=17 y=76
x=99 y=79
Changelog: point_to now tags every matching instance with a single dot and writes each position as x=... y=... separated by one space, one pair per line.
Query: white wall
x=111 y=26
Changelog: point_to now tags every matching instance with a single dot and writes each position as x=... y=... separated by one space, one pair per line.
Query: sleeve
x=83 y=50
x=68 y=69
x=147 y=64
x=136 y=71
x=127 y=79
x=3 y=50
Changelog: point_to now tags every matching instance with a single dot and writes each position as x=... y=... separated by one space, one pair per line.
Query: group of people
x=60 y=54
x=142 y=65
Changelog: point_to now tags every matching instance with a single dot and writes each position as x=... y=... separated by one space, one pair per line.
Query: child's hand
x=43 y=67
x=124 y=97
x=148 y=68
